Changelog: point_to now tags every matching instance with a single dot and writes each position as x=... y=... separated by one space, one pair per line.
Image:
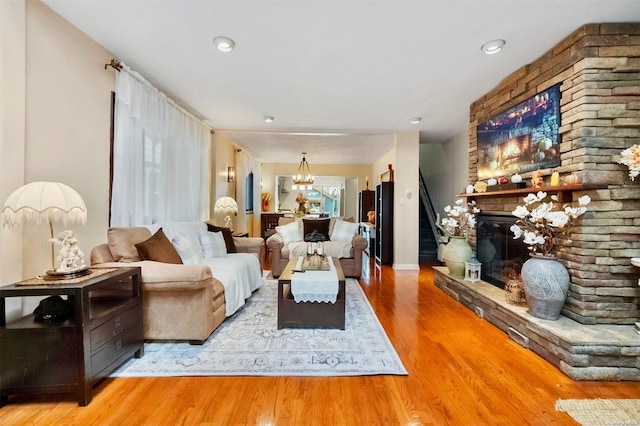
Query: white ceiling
x=341 y=75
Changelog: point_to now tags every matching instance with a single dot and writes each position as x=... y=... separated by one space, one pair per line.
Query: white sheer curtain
x=160 y=164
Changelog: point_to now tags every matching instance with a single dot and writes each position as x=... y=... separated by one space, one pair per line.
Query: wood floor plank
x=462 y=370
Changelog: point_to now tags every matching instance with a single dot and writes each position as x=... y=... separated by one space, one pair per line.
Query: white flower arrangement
x=461 y=218
x=631 y=159
x=543 y=228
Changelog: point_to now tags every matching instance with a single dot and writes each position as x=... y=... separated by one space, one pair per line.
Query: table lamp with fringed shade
x=50 y=202
x=226 y=206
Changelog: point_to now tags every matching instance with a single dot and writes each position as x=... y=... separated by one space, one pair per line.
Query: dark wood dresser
x=73 y=355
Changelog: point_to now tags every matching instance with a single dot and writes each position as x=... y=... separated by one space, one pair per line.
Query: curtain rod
x=120 y=66
x=115 y=64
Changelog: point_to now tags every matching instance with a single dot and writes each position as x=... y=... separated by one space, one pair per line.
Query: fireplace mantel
x=564 y=191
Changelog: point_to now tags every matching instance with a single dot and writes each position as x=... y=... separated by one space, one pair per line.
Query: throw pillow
x=321 y=226
x=213 y=244
x=332 y=221
x=158 y=248
x=228 y=237
x=343 y=230
x=290 y=232
x=190 y=253
x=122 y=243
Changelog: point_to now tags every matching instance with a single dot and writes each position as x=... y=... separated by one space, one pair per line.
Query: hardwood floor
x=462 y=370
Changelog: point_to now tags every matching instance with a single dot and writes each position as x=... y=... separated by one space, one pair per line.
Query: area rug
x=249 y=344
x=592 y=412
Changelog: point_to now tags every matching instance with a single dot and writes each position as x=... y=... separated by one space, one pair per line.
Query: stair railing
x=434 y=218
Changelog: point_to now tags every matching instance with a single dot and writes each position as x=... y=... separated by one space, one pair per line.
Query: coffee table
x=292 y=314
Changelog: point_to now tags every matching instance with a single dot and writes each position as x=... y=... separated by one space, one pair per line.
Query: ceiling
x=339 y=77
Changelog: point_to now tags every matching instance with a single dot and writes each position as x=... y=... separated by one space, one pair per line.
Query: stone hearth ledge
x=581 y=351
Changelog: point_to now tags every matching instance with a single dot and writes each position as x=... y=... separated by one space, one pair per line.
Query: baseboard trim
x=406 y=267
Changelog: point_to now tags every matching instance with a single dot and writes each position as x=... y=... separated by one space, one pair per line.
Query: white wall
x=445 y=168
x=404 y=160
x=12 y=135
x=55 y=126
x=406 y=198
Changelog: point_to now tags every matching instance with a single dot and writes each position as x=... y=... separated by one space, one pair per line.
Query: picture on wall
x=523 y=138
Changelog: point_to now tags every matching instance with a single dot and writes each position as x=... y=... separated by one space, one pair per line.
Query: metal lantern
x=472 y=270
x=315 y=243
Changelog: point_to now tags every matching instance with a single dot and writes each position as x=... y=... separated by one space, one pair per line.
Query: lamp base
x=53 y=275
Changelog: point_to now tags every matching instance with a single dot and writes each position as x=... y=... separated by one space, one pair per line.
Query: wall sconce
x=231 y=174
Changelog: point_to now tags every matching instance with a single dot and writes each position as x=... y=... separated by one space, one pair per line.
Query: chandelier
x=303 y=177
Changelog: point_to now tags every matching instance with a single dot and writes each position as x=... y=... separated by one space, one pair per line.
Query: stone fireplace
x=598 y=68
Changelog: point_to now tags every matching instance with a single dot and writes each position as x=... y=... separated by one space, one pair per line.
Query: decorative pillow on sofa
x=122 y=243
x=189 y=251
x=332 y=222
x=213 y=244
x=158 y=248
x=343 y=230
x=290 y=232
x=321 y=226
x=228 y=237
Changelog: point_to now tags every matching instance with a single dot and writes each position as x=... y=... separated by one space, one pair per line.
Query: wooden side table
x=72 y=355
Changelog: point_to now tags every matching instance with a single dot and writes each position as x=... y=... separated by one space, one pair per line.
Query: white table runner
x=315 y=286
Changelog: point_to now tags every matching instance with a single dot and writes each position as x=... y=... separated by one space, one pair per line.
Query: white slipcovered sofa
x=343 y=242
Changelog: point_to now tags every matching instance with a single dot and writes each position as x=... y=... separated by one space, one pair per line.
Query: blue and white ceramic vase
x=456 y=253
x=546 y=284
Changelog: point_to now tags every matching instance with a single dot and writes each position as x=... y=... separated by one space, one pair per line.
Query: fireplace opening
x=501 y=256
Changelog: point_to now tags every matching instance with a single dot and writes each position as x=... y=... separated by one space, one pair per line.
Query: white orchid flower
x=584 y=200
x=471 y=221
x=531 y=238
x=558 y=219
x=517 y=232
x=520 y=212
x=531 y=198
x=540 y=213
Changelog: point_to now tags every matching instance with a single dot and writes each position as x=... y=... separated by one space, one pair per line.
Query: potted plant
x=544 y=229
x=460 y=220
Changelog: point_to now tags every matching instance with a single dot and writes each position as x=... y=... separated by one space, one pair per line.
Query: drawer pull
x=117 y=322
x=119 y=346
x=117 y=331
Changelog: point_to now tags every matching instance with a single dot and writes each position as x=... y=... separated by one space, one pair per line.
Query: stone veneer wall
x=599 y=68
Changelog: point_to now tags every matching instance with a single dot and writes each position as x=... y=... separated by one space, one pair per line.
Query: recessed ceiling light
x=415 y=120
x=492 y=47
x=268 y=119
x=224 y=44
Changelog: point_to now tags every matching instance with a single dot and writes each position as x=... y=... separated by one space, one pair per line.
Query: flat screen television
x=521 y=139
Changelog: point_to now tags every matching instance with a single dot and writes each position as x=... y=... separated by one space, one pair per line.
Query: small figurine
x=536 y=179
x=70 y=257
